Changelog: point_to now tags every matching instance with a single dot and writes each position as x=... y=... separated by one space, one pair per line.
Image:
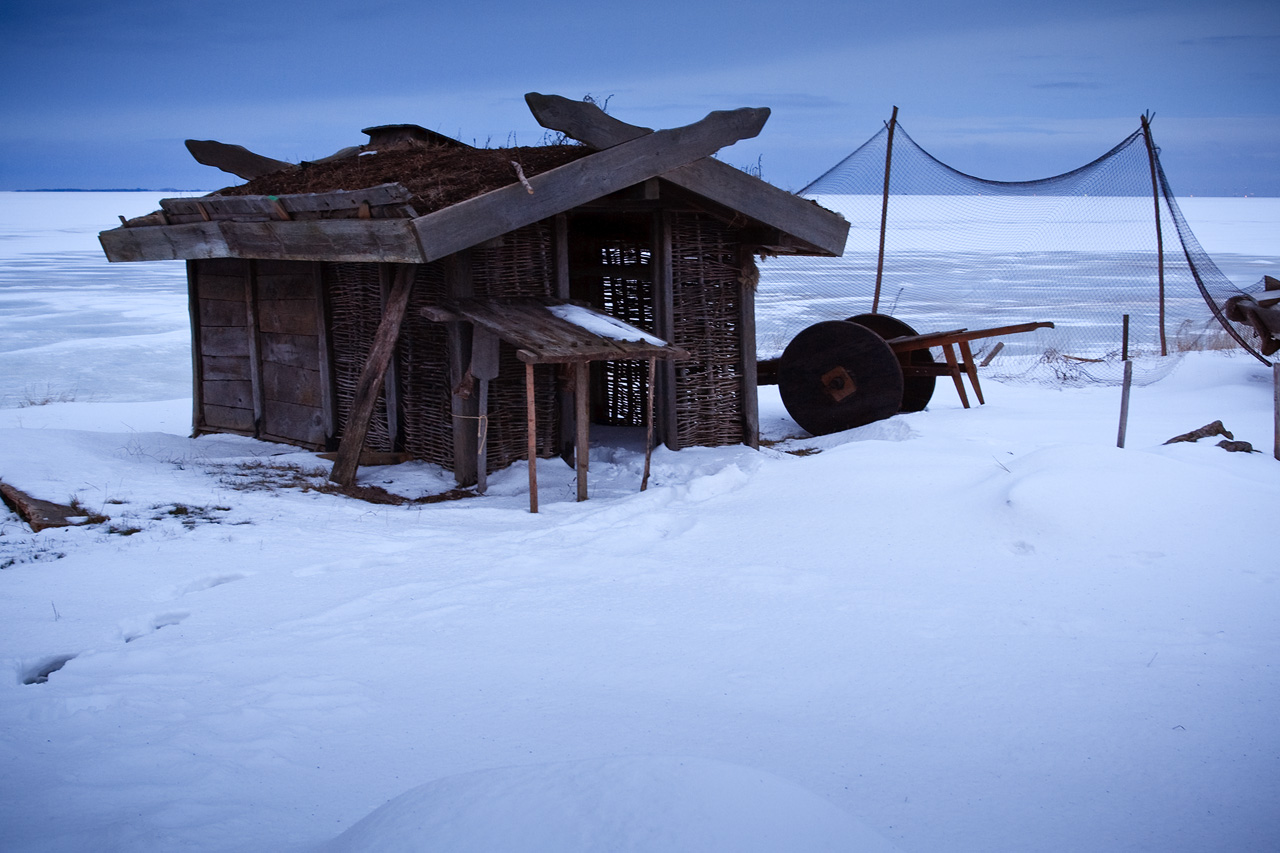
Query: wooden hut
x=402 y=296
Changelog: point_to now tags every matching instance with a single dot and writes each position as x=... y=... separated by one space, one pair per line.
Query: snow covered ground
x=957 y=630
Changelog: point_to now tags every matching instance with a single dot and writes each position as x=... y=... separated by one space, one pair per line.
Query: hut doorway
x=611 y=268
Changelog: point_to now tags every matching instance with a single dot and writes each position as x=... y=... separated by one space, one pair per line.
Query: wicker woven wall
x=519 y=264
x=707 y=299
x=354 y=292
x=422 y=361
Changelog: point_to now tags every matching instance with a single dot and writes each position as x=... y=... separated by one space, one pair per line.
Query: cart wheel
x=838 y=375
x=917 y=391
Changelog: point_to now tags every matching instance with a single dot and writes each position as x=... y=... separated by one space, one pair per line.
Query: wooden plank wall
x=261 y=352
x=224 y=371
x=289 y=326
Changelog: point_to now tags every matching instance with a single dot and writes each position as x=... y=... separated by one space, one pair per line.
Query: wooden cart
x=841 y=374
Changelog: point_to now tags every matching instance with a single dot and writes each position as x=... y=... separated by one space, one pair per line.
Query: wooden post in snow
x=1124 y=392
x=484 y=366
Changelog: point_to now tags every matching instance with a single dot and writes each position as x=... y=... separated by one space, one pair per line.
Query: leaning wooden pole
x=375 y=368
x=1155 y=195
x=884 y=210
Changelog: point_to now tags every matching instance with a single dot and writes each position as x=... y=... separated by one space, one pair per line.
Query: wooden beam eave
x=514 y=206
x=337 y=240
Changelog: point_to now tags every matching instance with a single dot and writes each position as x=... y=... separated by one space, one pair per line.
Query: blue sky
x=101 y=95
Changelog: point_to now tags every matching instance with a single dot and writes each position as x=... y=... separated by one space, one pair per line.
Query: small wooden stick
x=523 y=179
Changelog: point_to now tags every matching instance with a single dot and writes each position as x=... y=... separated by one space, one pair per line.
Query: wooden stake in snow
x=1124 y=392
x=1124 y=402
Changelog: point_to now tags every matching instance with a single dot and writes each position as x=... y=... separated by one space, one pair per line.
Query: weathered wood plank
x=296 y=424
x=283 y=383
x=375 y=366
x=543 y=338
x=222 y=267
x=233 y=393
x=293 y=350
x=250 y=207
x=223 y=313
x=43 y=515
x=226 y=287
x=228 y=418
x=294 y=285
x=356 y=240
x=500 y=211
x=224 y=367
x=165 y=243
x=287 y=316
x=720 y=182
x=225 y=341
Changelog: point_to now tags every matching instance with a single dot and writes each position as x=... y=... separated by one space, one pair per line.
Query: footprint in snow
x=39 y=673
x=207 y=582
x=130 y=631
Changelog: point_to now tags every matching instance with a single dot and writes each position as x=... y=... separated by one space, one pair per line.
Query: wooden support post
x=390 y=381
x=582 y=406
x=328 y=388
x=954 y=369
x=648 y=426
x=484 y=366
x=375 y=367
x=966 y=357
x=197 y=359
x=255 y=343
x=1124 y=402
x=531 y=408
x=884 y=210
x=1155 y=194
x=749 y=394
x=664 y=327
x=1124 y=339
x=1275 y=375
x=462 y=401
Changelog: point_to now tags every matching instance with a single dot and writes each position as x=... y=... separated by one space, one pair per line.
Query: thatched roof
x=436 y=177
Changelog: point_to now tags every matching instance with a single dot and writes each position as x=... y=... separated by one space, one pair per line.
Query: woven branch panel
x=355 y=309
x=519 y=264
x=422 y=359
x=627 y=296
x=707 y=297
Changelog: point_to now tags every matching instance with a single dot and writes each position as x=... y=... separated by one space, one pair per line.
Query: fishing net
x=1079 y=249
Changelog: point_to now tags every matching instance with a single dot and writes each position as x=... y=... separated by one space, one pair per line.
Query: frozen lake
x=73 y=326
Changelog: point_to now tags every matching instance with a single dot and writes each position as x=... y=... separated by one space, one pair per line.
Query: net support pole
x=1155 y=195
x=884 y=210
